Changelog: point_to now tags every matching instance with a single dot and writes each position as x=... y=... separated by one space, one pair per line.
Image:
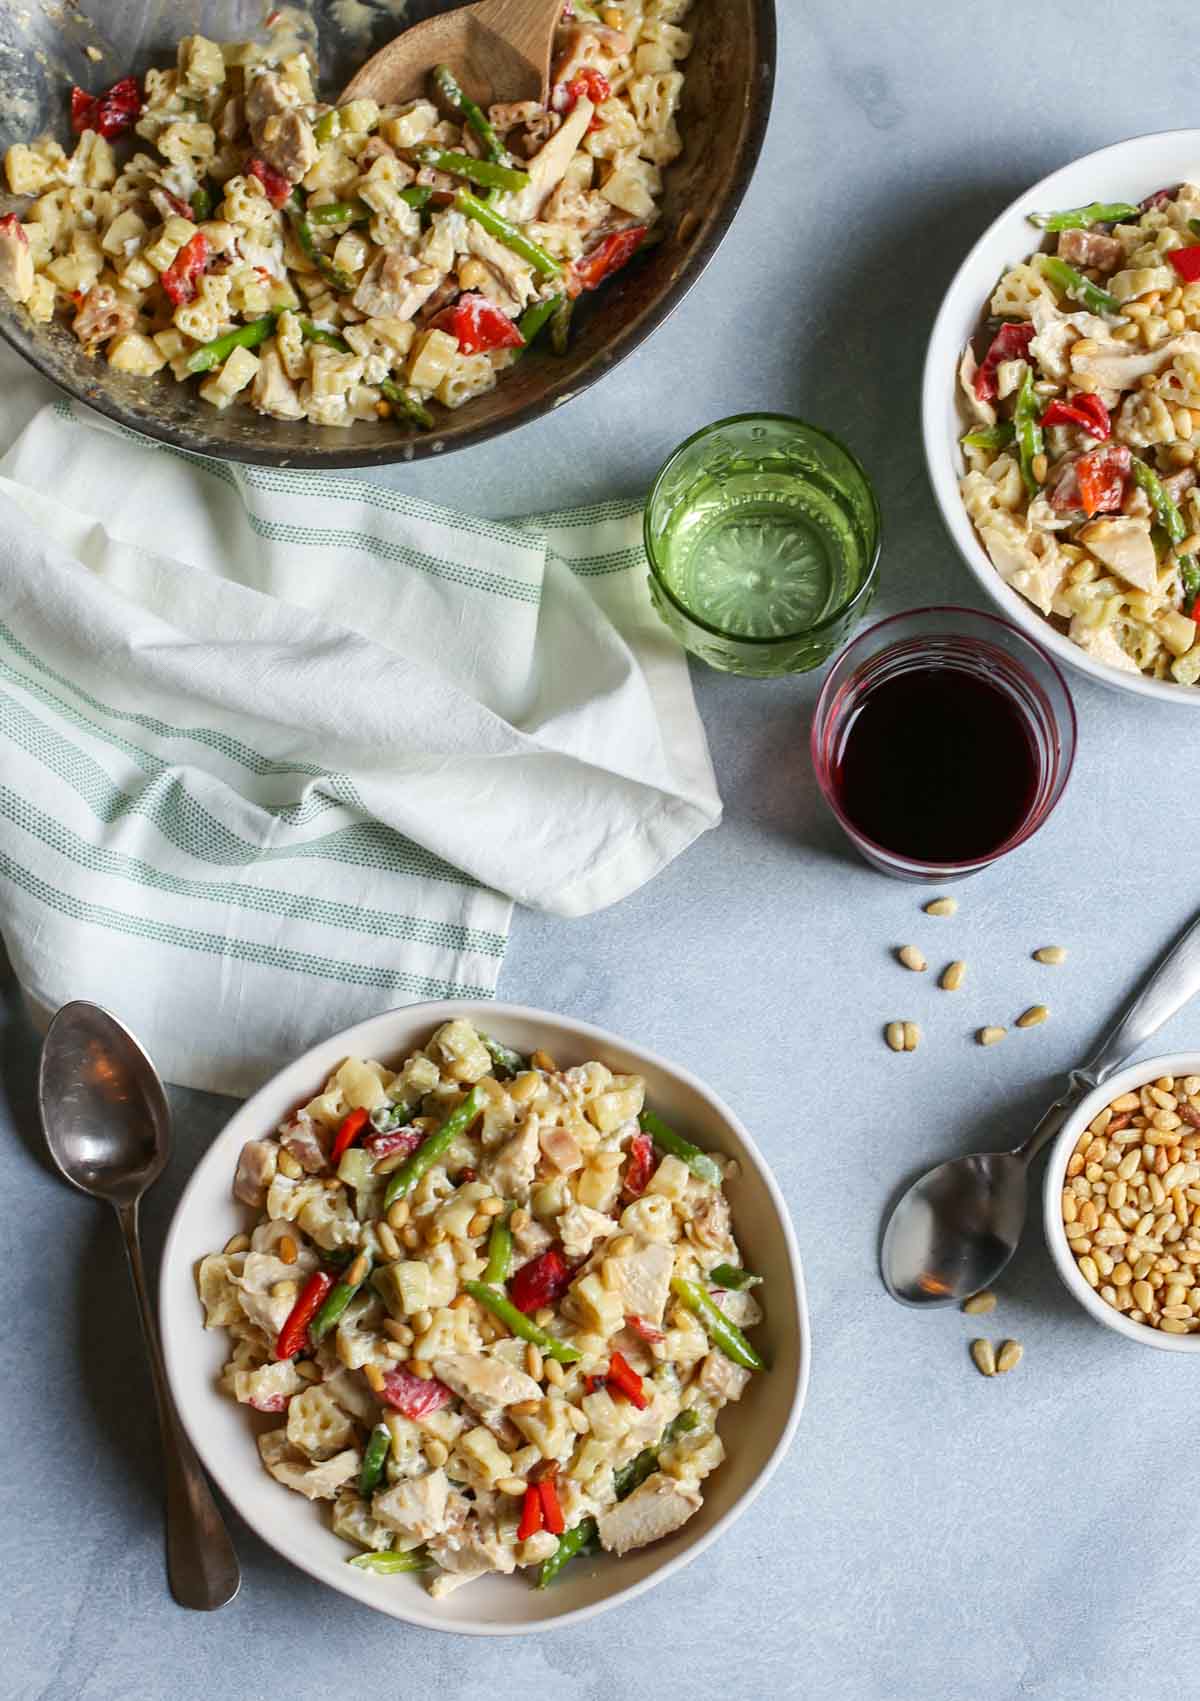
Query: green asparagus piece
x=721 y=1331
x=1078 y=288
x=560 y=324
x=334 y=276
x=419 y=1163
x=535 y=319
x=500 y=1250
x=388 y=1563
x=1169 y=517
x=503 y=1056
x=996 y=436
x=585 y=1533
x=1031 y=439
x=391 y=1116
x=334 y=1304
x=201 y=204
x=314 y=334
x=340 y=212
x=450 y=89
x=327 y=126
x=486 y=172
x=668 y=1141
x=729 y=1276
x=408 y=404
x=524 y=1327
x=1079 y=218
x=374 y=1459
x=498 y=226
x=208 y=355
x=1194 y=226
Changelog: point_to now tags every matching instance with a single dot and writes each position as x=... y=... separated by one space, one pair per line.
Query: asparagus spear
x=522 y=1326
x=420 y=1162
x=314 y=334
x=500 y=1250
x=448 y=86
x=387 y=1563
x=208 y=355
x=1079 y=218
x=420 y=415
x=498 y=226
x=533 y=321
x=668 y=1141
x=374 y=1459
x=723 y=1334
x=337 y=279
x=560 y=324
x=1078 y=288
x=487 y=173
x=996 y=436
x=1030 y=436
x=503 y=1056
x=358 y=212
x=338 y=1298
x=1170 y=518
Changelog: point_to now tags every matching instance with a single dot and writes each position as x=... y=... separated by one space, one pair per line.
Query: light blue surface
x=933 y=1536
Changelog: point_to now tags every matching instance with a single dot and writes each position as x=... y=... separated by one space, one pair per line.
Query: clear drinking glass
x=762 y=534
x=951 y=639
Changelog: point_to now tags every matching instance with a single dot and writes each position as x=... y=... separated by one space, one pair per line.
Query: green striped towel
x=279 y=749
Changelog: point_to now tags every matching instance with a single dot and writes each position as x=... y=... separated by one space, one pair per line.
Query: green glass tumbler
x=762 y=534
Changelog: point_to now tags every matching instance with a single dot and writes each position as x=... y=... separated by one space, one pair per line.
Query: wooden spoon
x=498 y=49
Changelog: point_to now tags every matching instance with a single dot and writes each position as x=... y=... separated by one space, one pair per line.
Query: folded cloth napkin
x=278 y=749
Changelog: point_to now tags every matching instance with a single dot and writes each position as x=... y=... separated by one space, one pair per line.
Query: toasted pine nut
x=421 y=1367
x=524 y=1087
x=392 y=1161
x=307 y=1370
x=544 y=1317
x=241 y=1243
x=941 y=906
x=422 y=1321
x=525 y=1408
x=1183 y=421
x=984 y=1355
x=533 y=1362
x=519 y=1220
x=1039 y=466
x=952 y=976
x=894 y=1035
x=1033 y=1017
x=479 y=1224
x=288 y=1166
x=284 y=1290
x=410 y=1237
x=514 y=1487
x=398 y=1331
x=543 y=1061
x=357 y=1272
x=1052 y=955
x=992 y=1036
x=555 y=1374
x=388 y=1244
x=436 y=1451
x=980 y=1303
x=491 y=1207
x=287 y=1249
x=375 y=1377
x=912 y=1036
x=399 y=1214
x=1009 y=1357
x=912 y=959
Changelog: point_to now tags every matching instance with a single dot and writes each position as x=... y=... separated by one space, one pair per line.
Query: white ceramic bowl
x=757 y=1431
x=1126 y=1080
x=1127 y=171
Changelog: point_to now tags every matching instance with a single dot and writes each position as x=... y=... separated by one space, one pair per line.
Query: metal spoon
x=106 y=1122
x=957 y=1227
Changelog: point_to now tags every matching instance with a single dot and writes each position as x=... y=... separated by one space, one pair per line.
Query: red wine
x=937 y=764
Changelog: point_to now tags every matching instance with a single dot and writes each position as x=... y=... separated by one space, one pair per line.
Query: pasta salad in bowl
x=1074 y=368
x=484 y=1312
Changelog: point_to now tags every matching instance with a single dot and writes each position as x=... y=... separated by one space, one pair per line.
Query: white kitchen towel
x=278 y=749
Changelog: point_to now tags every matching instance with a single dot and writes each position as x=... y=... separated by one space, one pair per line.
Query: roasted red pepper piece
x=277 y=187
x=1084 y=410
x=111 y=113
x=1186 y=262
x=589 y=82
x=542 y=1281
x=1102 y=474
x=181 y=278
x=532 y=1514
x=646 y=1330
x=552 y=1518
x=606 y=258
x=414 y=1396
x=1011 y=342
x=624 y=1379
x=640 y=1167
x=349 y=1131
x=293 y=1337
x=479 y=325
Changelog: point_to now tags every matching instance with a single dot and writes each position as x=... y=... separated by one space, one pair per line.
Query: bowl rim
x=1122 y=1081
x=419 y=446
x=939 y=380
x=423 y=1612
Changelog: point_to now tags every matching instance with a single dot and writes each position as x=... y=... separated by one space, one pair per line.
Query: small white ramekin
x=1126 y=1080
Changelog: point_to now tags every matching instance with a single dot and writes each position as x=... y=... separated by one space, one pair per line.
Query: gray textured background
x=933 y=1537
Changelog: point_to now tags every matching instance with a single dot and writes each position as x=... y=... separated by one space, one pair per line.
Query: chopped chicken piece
x=292 y=1469
x=548 y=167
x=642 y=1281
x=1099 y=642
x=416 y=1506
x=1085 y=248
x=272 y=391
x=720 y=1377
x=580 y=1227
x=488 y=1385
x=287 y=143
x=560 y=1148
x=101 y=316
x=255 y=1173
x=1124 y=545
x=511 y=1168
x=16 y=261
x=300 y=1139
x=389 y=289
x=656 y=1509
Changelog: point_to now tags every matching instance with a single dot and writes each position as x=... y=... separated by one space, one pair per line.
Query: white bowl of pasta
x=1049 y=559
x=225 y=1431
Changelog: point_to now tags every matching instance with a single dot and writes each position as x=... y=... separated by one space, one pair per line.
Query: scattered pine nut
x=1010 y=1356
x=984 y=1355
x=397 y=1217
x=894 y=1035
x=990 y=1036
x=941 y=906
x=1051 y=955
x=1033 y=1017
x=912 y=959
x=555 y=1374
x=421 y=1367
x=307 y=1371
x=952 y=976
x=912 y=1036
x=980 y=1303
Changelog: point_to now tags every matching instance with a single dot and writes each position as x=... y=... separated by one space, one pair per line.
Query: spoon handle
x=201 y=1563
x=1174 y=980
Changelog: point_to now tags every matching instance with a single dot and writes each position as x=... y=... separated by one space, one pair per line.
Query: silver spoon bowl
x=108 y=1129
x=956 y=1228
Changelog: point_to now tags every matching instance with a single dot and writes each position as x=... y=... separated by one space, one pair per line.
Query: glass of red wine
x=942 y=740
